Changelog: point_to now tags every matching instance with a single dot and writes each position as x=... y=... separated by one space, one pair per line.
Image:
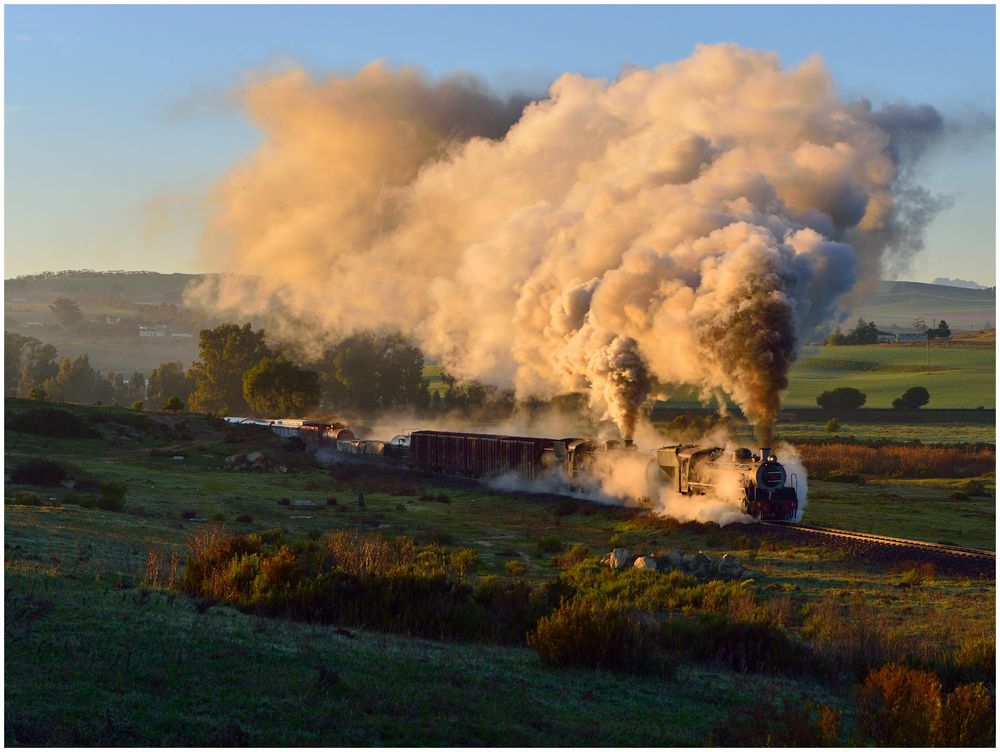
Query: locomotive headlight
x=772 y=458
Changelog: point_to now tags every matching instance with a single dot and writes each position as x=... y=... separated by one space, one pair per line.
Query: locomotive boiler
x=765 y=488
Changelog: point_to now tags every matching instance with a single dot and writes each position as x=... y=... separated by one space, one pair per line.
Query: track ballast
x=885 y=549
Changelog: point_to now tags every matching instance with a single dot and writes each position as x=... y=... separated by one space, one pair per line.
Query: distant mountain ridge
x=901 y=304
x=895 y=304
x=959 y=283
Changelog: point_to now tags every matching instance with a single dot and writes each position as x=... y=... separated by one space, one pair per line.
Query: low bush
x=585 y=633
x=887 y=460
x=39 y=472
x=285 y=501
x=244 y=518
x=348 y=578
x=848 y=636
x=899 y=707
x=969 y=718
x=550 y=544
x=28 y=498
x=53 y=422
x=763 y=723
x=188 y=514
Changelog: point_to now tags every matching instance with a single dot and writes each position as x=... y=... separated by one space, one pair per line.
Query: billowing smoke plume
x=688 y=224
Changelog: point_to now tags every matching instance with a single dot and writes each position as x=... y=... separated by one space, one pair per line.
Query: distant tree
x=165 y=381
x=14 y=350
x=104 y=389
x=137 y=406
x=913 y=398
x=226 y=353
x=37 y=394
x=75 y=380
x=67 y=312
x=864 y=333
x=38 y=365
x=841 y=398
x=941 y=331
x=370 y=371
x=174 y=404
x=278 y=387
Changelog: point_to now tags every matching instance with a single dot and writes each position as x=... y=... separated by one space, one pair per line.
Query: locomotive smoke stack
x=628 y=442
x=765 y=452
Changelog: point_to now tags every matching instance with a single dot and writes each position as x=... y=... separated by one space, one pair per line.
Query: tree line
x=239 y=372
x=866 y=333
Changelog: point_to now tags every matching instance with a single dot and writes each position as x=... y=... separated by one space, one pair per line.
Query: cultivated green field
x=95 y=659
x=956 y=377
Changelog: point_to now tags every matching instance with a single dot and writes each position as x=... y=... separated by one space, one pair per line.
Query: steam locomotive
x=688 y=468
x=691 y=469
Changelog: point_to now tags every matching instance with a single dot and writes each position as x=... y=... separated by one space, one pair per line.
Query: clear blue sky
x=114 y=132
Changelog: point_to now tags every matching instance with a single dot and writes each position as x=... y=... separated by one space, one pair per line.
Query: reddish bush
x=899 y=707
x=898 y=460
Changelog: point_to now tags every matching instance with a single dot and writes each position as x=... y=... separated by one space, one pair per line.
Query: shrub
x=112 y=495
x=39 y=472
x=285 y=501
x=188 y=514
x=832 y=425
x=516 y=567
x=969 y=718
x=28 y=498
x=173 y=405
x=850 y=637
x=52 y=422
x=585 y=633
x=841 y=398
x=218 y=517
x=37 y=393
x=899 y=707
x=245 y=518
x=913 y=398
x=762 y=723
x=570 y=558
x=550 y=544
x=332 y=501
x=900 y=460
x=137 y=405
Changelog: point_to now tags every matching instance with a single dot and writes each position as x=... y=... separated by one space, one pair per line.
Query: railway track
x=884 y=548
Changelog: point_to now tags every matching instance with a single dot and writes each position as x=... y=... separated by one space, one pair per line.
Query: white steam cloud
x=687 y=224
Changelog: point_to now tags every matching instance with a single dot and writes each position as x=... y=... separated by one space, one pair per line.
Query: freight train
x=688 y=469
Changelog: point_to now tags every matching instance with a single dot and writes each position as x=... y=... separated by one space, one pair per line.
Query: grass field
x=94 y=659
x=955 y=377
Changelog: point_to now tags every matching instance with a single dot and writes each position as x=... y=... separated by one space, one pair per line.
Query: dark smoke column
x=751 y=341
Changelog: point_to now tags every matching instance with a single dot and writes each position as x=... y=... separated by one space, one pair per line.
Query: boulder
x=621 y=558
x=645 y=562
x=701 y=559
x=235 y=459
x=255 y=457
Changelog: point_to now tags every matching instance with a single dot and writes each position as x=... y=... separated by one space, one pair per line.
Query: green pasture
x=956 y=377
x=918 y=510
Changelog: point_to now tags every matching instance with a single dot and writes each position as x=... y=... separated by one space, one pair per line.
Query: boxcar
x=474 y=455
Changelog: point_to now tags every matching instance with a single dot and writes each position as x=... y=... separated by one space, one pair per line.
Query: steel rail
x=888 y=540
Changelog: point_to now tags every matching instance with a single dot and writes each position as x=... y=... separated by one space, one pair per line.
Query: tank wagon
x=767 y=491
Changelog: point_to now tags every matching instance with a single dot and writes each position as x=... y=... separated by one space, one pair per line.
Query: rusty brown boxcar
x=476 y=455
